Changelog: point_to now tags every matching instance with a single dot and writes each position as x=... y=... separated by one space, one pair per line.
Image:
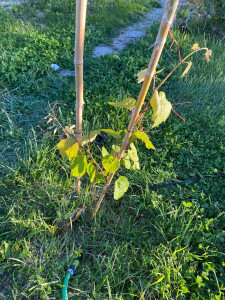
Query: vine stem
x=94 y=161
x=81 y=8
x=168 y=16
x=182 y=61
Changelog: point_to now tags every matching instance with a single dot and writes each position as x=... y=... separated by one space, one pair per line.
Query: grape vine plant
x=123 y=153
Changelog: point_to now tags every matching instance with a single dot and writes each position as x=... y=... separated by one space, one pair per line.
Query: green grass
x=165 y=243
x=36 y=34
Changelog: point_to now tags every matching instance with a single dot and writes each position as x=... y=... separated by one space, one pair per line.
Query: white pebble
x=55 y=67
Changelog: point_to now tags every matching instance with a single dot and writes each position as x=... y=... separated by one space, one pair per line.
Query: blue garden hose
x=70 y=272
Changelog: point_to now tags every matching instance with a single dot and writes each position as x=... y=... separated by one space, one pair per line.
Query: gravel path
x=9 y=4
x=131 y=33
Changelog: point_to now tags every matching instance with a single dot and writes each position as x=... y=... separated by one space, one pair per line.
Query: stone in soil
x=65 y=73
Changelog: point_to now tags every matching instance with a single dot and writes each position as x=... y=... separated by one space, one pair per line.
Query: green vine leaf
x=132 y=153
x=120 y=187
x=115 y=149
x=126 y=162
x=105 y=172
x=99 y=178
x=91 y=171
x=161 y=108
x=78 y=165
x=128 y=103
x=64 y=145
x=136 y=166
x=91 y=137
x=115 y=134
x=110 y=163
x=104 y=152
x=141 y=135
x=189 y=64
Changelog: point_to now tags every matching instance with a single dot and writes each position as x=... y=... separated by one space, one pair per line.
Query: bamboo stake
x=167 y=19
x=81 y=7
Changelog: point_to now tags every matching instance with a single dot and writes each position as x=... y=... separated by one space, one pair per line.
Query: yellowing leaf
x=195 y=47
x=91 y=171
x=142 y=136
x=120 y=187
x=161 y=108
x=78 y=165
x=64 y=145
x=70 y=129
x=72 y=151
x=141 y=74
x=189 y=64
x=92 y=136
x=159 y=71
x=127 y=103
x=110 y=163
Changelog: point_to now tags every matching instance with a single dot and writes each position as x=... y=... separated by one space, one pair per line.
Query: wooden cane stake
x=167 y=19
x=81 y=7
